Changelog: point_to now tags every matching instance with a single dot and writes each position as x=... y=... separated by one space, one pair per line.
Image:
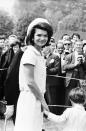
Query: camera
x=80 y=58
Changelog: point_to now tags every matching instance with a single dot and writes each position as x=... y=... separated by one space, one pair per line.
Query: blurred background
x=66 y=16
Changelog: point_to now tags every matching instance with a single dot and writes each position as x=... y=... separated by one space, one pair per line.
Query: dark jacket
x=72 y=71
x=5 y=61
x=53 y=65
x=12 y=80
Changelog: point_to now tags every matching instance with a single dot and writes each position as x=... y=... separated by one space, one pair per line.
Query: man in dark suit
x=75 y=66
x=12 y=85
x=55 y=84
x=5 y=61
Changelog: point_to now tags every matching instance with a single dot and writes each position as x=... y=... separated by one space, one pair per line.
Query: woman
x=32 y=78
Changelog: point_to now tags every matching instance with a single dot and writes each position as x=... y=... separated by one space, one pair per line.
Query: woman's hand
x=9 y=111
x=44 y=105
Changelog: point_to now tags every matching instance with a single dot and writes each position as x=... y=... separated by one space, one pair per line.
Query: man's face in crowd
x=79 y=46
x=60 y=48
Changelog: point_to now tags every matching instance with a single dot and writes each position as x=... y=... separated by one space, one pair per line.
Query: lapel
x=69 y=74
x=73 y=57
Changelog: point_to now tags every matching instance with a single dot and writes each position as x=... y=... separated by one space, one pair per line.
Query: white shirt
x=73 y=119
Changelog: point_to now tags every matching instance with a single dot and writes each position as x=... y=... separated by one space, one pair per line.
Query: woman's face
x=40 y=37
x=16 y=48
x=75 y=38
x=66 y=37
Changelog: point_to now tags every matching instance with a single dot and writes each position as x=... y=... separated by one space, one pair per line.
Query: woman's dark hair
x=43 y=26
x=65 y=35
x=17 y=42
x=77 y=95
x=84 y=44
x=76 y=34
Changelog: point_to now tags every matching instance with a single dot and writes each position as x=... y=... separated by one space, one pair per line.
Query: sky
x=16 y=7
x=10 y=5
x=7 y=5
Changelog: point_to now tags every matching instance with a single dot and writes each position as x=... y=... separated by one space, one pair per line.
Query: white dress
x=29 y=116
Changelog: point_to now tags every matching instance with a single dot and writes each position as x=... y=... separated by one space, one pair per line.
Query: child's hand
x=44 y=105
x=46 y=113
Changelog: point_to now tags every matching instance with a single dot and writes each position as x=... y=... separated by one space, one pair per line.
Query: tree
x=20 y=27
x=26 y=17
x=6 y=24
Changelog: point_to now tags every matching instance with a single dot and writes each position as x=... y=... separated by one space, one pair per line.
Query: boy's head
x=77 y=95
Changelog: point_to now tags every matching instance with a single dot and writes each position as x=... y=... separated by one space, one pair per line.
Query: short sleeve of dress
x=29 y=56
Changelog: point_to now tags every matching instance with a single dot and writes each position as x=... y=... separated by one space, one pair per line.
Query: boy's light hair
x=77 y=95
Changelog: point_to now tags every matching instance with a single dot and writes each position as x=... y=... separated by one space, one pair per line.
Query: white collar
x=79 y=106
x=34 y=49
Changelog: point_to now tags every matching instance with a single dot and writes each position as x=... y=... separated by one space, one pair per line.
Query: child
x=74 y=118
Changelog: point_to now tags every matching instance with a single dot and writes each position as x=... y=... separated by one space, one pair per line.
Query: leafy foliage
x=6 y=24
x=62 y=14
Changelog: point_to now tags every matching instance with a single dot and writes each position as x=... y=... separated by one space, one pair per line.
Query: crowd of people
x=66 y=68
x=39 y=73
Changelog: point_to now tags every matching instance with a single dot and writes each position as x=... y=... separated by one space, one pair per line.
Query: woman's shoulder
x=31 y=49
x=29 y=56
x=68 y=110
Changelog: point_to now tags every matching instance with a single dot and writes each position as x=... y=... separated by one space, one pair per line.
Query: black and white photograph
x=42 y=65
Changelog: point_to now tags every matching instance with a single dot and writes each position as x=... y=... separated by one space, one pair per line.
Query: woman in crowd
x=32 y=78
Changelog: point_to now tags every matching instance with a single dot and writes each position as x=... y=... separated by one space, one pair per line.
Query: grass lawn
x=49 y=126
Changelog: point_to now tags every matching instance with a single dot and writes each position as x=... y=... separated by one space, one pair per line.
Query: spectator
x=52 y=40
x=75 y=66
x=67 y=47
x=55 y=85
x=5 y=61
x=61 y=54
x=52 y=44
x=74 y=38
x=1 y=48
x=12 y=82
x=84 y=47
x=46 y=52
x=65 y=37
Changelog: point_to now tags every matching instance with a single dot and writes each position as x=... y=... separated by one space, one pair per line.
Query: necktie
x=60 y=64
